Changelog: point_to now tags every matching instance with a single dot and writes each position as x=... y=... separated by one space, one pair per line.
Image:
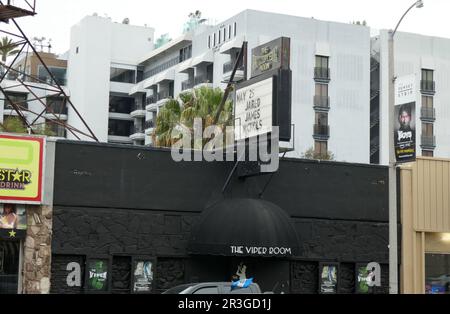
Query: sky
x=55 y=17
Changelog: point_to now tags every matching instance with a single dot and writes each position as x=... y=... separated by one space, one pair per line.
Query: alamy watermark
x=224 y=147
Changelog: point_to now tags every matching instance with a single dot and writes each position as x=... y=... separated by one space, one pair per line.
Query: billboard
x=253 y=110
x=405 y=119
x=21 y=169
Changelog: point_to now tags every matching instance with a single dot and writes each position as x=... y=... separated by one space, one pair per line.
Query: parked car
x=213 y=288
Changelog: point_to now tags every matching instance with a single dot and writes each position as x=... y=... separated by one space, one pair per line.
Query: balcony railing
x=321 y=74
x=164 y=95
x=228 y=67
x=321 y=131
x=201 y=79
x=428 y=114
x=137 y=130
x=149 y=124
x=427 y=87
x=162 y=67
x=321 y=102
x=428 y=141
x=150 y=100
x=188 y=84
x=21 y=105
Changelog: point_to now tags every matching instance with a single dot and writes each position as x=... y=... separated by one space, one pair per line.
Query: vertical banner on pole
x=405 y=119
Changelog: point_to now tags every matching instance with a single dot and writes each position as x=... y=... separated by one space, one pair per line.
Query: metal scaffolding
x=9 y=10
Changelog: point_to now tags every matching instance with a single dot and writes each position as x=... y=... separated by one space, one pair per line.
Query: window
x=57 y=129
x=321 y=148
x=437 y=273
x=220 y=36
x=322 y=62
x=121 y=104
x=120 y=127
x=229 y=31
x=427 y=129
x=57 y=105
x=58 y=73
x=427 y=153
x=214 y=40
x=427 y=102
x=185 y=53
x=322 y=118
x=18 y=99
x=235 y=29
x=123 y=75
x=77 y=50
x=322 y=90
x=427 y=75
x=207 y=290
x=209 y=41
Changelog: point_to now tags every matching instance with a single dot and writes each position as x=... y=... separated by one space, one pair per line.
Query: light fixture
x=446 y=237
x=419 y=4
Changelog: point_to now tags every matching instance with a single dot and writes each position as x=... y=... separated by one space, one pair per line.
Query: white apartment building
x=330 y=63
x=102 y=69
x=428 y=58
x=29 y=98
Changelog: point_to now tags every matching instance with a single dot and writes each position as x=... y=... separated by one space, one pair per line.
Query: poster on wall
x=405 y=119
x=362 y=275
x=328 y=278
x=13 y=216
x=143 y=276
x=21 y=169
x=98 y=275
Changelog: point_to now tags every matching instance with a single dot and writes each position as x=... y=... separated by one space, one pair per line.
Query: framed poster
x=143 y=274
x=361 y=282
x=98 y=275
x=328 y=278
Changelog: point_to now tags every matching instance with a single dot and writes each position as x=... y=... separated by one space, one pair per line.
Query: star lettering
x=12 y=234
x=17 y=176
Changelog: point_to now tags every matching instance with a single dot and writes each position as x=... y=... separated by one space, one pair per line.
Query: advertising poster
x=361 y=284
x=21 y=168
x=98 y=275
x=13 y=216
x=143 y=276
x=328 y=278
x=405 y=119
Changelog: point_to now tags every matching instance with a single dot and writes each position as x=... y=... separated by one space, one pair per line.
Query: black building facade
x=117 y=205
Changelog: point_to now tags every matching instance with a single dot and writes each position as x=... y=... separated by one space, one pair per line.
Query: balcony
x=228 y=69
x=164 y=95
x=16 y=8
x=137 y=133
x=427 y=87
x=186 y=85
x=138 y=111
x=321 y=103
x=428 y=142
x=162 y=67
x=428 y=114
x=203 y=80
x=151 y=103
x=322 y=74
x=149 y=126
x=321 y=132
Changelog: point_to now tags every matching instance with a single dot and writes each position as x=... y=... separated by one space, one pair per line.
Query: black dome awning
x=244 y=227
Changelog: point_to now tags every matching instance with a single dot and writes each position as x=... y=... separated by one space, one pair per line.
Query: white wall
x=413 y=52
x=100 y=42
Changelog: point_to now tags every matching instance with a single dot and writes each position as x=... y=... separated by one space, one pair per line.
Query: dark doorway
x=9 y=266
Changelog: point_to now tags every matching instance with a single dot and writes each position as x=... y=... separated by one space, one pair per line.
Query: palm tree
x=180 y=114
x=7 y=48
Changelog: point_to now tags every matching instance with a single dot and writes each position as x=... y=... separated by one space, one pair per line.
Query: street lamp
x=393 y=247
